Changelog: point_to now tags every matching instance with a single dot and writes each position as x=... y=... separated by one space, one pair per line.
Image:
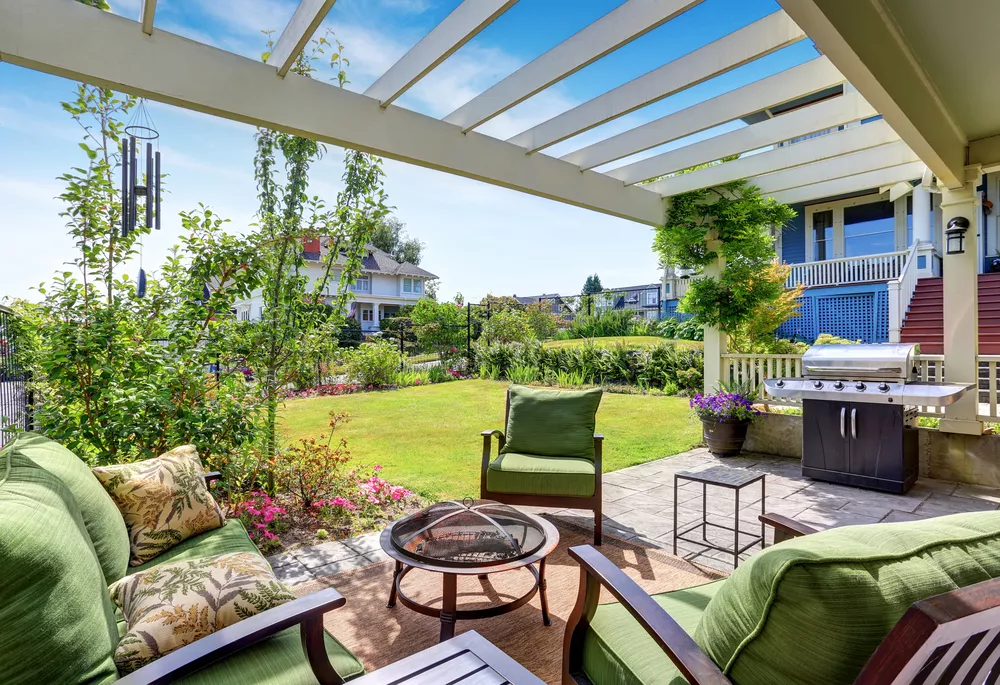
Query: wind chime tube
x=132 y=182
x=156 y=177
x=125 y=177
x=149 y=185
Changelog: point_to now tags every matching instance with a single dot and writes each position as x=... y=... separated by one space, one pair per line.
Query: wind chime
x=140 y=178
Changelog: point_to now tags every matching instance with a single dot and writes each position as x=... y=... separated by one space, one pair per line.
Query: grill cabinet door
x=823 y=447
x=876 y=441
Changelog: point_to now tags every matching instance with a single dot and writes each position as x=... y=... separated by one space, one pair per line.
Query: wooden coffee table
x=473 y=551
x=465 y=660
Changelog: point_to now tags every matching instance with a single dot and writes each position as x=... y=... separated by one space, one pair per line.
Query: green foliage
x=508 y=326
x=374 y=364
x=827 y=339
x=660 y=366
x=592 y=285
x=439 y=326
x=616 y=323
x=315 y=468
x=389 y=235
x=732 y=222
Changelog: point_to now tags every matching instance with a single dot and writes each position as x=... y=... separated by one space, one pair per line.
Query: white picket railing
x=988 y=409
x=876 y=267
x=754 y=368
x=681 y=286
x=901 y=292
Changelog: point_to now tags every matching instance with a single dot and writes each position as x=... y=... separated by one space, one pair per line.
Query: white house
x=383 y=287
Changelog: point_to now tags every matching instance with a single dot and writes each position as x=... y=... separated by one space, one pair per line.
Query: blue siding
x=793 y=237
x=670 y=311
x=858 y=312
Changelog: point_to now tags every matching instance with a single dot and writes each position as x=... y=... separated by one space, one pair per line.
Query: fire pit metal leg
x=541 y=591
x=395 y=579
x=449 y=601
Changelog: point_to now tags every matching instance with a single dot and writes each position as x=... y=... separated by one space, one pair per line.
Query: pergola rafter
x=851 y=184
x=146 y=16
x=760 y=38
x=301 y=27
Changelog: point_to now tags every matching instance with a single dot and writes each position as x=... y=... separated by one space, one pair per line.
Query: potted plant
x=725 y=416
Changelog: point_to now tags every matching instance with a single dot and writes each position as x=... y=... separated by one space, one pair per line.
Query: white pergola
x=903 y=59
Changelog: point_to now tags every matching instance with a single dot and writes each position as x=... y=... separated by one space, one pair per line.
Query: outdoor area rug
x=381 y=636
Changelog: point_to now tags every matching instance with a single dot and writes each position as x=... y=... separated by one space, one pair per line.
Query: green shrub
x=523 y=374
x=568 y=379
x=689 y=330
x=691 y=381
x=439 y=374
x=491 y=372
x=671 y=388
x=827 y=339
x=374 y=364
x=510 y=326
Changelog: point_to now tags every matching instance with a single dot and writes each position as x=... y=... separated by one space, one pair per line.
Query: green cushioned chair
x=60 y=543
x=891 y=603
x=549 y=455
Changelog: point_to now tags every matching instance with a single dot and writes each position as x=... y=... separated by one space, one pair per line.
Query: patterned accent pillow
x=164 y=501
x=175 y=604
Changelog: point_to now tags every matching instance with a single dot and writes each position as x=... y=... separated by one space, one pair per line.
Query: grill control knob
x=817 y=384
x=883 y=387
x=860 y=387
x=838 y=386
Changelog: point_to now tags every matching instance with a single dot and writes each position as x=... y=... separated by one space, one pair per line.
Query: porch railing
x=848 y=270
x=901 y=292
x=754 y=368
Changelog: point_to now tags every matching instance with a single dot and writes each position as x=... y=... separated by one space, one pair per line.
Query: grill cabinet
x=858 y=426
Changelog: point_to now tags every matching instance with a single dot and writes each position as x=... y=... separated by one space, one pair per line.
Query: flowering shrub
x=326 y=390
x=723 y=406
x=315 y=469
x=262 y=519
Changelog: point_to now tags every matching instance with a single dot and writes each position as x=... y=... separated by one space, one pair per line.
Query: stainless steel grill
x=856 y=429
x=876 y=374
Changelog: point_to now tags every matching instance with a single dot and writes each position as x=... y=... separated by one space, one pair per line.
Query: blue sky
x=478 y=238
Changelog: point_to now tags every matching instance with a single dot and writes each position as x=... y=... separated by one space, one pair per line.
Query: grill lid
x=883 y=362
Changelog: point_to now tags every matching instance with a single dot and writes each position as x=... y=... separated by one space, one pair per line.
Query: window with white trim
x=366 y=315
x=869 y=229
x=418 y=286
x=822 y=236
x=363 y=284
x=651 y=298
x=407 y=285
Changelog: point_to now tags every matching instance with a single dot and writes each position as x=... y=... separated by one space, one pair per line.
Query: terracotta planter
x=725 y=437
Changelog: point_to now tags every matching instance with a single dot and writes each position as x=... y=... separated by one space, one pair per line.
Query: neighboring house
x=383 y=287
x=558 y=305
x=643 y=299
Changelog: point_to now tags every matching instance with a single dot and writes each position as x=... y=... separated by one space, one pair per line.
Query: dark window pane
x=869 y=229
x=822 y=236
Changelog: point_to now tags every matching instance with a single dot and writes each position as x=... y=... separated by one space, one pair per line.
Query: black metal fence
x=15 y=392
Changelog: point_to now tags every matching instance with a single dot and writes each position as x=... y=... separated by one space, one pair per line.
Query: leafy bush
x=440 y=374
x=315 y=469
x=374 y=364
x=569 y=379
x=689 y=330
x=523 y=374
x=828 y=339
x=690 y=381
x=509 y=326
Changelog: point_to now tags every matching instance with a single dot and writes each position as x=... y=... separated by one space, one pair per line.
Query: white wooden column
x=922 y=215
x=716 y=342
x=961 y=316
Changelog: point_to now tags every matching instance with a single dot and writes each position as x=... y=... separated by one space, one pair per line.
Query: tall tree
x=390 y=236
x=592 y=285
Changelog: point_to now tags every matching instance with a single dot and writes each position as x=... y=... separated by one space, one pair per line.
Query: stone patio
x=639 y=506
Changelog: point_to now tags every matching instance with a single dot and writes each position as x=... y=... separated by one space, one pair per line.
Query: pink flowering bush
x=263 y=520
x=367 y=501
x=326 y=390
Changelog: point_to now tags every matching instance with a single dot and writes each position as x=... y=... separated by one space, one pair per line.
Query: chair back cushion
x=57 y=622
x=552 y=423
x=103 y=520
x=812 y=610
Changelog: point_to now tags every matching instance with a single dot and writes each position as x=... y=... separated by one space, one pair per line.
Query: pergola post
x=716 y=341
x=961 y=316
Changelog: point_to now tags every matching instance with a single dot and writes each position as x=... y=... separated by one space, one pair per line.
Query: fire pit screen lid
x=468 y=533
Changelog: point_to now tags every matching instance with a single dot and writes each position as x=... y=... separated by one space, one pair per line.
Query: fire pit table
x=468 y=538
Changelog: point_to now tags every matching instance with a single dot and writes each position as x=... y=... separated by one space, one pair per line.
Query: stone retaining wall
x=946 y=456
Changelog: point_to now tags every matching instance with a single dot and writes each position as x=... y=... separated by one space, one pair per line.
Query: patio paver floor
x=639 y=506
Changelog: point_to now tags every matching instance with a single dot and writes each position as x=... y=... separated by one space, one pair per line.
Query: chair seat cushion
x=552 y=422
x=104 y=522
x=835 y=595
x=516 y=473
x=278 y=660
x=232 y=537
x=617 y=651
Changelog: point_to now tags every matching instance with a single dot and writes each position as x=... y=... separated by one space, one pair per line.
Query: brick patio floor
x=639 y=506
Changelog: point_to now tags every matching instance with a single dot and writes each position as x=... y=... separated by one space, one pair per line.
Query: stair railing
x=901 y=292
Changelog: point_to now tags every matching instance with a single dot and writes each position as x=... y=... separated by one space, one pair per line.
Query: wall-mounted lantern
x=955 y=235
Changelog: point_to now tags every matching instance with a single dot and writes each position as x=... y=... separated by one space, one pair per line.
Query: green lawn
x=427 y=438
x=633 y=340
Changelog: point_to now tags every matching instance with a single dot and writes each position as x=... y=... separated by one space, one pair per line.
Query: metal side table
x=723 y=477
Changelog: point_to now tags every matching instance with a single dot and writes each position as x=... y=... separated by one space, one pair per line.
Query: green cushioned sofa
x=891 y=603
x=63 y=541
x=549 y=455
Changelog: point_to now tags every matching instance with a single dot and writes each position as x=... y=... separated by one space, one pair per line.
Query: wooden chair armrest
x=693 y=663
x=786 y=528
x=211 y=477
x=306 y=612
x=598 y=436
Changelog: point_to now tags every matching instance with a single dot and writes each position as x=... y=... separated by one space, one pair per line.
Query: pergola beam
x=804 y=79
x=50 y=36
x=457 y=29
x=827 y=114
x=146 y=16
x=863 y=161
x=616 y=28
x=849 y=140
x=851 y=184
x=863 y=40
x=760 y=38
x=301 y=27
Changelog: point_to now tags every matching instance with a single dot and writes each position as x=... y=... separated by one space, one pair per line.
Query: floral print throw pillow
x=175 y=604
x=164 y=501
